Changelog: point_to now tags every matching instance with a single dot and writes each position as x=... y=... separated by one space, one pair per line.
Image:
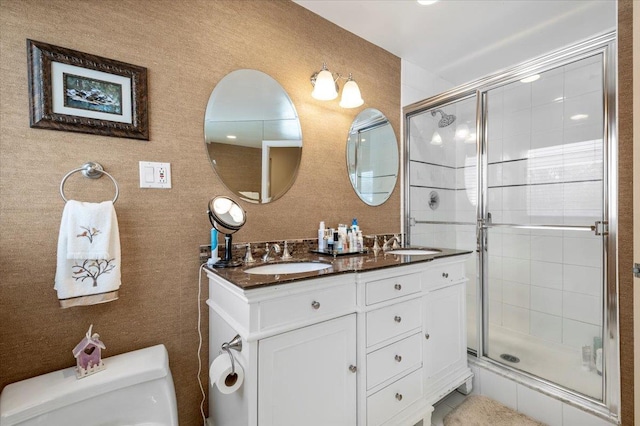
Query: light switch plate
x=155 y=175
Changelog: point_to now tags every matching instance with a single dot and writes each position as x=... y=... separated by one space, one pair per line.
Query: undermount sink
x=413 y=252
x=287 y=268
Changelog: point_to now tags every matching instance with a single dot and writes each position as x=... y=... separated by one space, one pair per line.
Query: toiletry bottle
x=321 y=246
x=360 y=242
x=330 y=241
x=336 y=241
x=214 y=245
x=354 y=225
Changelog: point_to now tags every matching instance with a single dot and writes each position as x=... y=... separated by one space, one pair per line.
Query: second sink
x=287 y=268
x=413 y=252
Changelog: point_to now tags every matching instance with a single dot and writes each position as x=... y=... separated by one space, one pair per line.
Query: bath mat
x=478 y=410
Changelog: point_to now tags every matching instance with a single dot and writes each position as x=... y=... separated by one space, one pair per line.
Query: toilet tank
x=136 y=388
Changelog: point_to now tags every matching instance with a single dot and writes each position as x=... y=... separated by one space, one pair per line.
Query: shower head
x=446 y=119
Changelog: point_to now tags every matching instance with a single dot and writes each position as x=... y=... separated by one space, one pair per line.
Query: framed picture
x=79 y=92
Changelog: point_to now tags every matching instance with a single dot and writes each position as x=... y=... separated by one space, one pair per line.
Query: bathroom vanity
x=373 y=340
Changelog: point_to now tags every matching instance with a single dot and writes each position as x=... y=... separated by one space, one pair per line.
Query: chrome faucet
x=274 y=247
x=387 y=243
x=248 y=258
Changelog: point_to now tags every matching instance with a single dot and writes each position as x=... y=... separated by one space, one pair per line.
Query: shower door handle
x=605 y=227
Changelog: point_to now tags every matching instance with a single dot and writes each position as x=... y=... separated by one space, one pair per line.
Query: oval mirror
x=372 y=157
x=253 y=136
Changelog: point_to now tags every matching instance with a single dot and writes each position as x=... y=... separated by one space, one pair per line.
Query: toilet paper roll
x=220 y=374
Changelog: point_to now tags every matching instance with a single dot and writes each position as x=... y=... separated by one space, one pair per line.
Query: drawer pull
x=445 y=274
x=353 y=368
x=399 y=396
x=397 y=319
x=315 y=305
x=398 y=287
x=398 y=358
x=426 y=336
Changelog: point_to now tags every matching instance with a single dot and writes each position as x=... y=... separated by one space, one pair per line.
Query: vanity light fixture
x=231 y=137
x=351 y=97
x=325 y=88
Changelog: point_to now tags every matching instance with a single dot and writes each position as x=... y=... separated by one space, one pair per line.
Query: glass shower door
x=544 y=225
x=443 y=187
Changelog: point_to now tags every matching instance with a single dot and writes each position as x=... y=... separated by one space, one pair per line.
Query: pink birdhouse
x=88 y=354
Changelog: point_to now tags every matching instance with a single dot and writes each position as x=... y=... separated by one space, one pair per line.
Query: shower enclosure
x=518 y=167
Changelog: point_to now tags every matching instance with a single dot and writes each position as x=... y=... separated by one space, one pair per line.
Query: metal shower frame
x=605 y=44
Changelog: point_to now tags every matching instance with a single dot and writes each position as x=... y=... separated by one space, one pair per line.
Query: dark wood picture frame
x=46 y=111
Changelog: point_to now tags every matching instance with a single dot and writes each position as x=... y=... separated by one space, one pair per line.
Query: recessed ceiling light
x=530 y=79
x=579 y=116
x=427 y=2
x=231 y=137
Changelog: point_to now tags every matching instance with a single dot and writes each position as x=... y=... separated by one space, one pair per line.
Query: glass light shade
x=325 y=86
x=351 y=97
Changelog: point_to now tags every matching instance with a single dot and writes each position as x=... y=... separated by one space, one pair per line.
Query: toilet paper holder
x=235 y=344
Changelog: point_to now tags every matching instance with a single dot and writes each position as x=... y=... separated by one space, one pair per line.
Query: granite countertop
x=353 y=263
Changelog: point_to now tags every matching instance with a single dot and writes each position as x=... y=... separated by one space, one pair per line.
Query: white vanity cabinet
x=308 y=376
x=445 y=332
x=412 y=326
x=375 y=348
x=298 y=354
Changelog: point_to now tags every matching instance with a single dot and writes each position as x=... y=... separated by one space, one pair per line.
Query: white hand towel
x=95 y=278
x=88 y=226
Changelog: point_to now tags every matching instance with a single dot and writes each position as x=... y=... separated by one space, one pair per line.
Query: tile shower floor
x=557 y=363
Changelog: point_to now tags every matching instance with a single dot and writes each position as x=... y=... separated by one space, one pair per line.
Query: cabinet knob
x=445 y=274
x=315 y=305
x=426 y=336
x=353 y=368
x=397 y=318
x=398 y=287
x=398 y=358
x=399 y=396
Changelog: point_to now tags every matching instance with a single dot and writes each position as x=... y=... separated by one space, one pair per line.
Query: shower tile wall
x=448 y=170
x=544 y=168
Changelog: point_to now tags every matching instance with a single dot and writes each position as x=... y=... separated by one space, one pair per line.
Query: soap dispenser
x=321 y=242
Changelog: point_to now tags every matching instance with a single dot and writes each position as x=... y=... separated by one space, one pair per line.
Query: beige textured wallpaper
x=187 y=47
x=625 y=207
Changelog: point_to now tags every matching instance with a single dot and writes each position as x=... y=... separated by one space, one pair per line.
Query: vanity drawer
x=393 y=360
x=384 y=323
x=390 y=288
x=444 y=274
x=302 y=307
x=383 y=405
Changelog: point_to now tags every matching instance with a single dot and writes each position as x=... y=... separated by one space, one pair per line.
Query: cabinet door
x=445 y=331
x=304 y=376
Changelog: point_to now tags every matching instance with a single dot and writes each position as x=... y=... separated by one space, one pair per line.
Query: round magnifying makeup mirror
x=227 y=217
x=372 y=157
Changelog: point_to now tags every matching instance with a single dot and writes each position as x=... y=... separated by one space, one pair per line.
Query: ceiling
x=462 y=40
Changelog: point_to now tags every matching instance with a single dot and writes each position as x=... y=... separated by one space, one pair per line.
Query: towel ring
x=90 y=170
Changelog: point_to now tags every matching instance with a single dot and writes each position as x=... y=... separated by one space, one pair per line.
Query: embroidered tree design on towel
x=92 y=268
x=89 y=233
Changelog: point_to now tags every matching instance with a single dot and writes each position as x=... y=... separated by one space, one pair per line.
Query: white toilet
x=136 y=388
